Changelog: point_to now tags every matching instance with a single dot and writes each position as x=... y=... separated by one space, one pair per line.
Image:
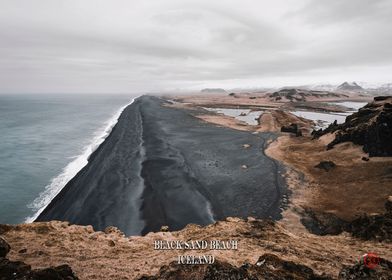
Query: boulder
x=292 y=128
x=326 y=165
x=164 y=228
x=113 y=230
x=322 y=223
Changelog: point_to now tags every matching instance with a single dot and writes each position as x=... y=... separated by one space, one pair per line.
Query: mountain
x=295 y=94
x=213 y=90
x=348 y=86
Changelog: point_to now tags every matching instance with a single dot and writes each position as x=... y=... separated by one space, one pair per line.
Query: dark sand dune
x=162 y=166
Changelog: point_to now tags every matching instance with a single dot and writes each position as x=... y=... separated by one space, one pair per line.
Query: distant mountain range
x=364 y=87
x=213 y=90
x=301 y=95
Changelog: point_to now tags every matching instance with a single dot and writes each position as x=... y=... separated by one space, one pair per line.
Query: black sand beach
x=163 y=166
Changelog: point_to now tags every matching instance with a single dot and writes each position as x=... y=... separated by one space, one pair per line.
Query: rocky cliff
x=370 y=127
x=266 y=250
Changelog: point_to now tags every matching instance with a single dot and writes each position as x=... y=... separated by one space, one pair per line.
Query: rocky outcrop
x=292 y=128
x=322 y=223
x=359 y=271
x=18 y=270
x=320 y=132
x=349 y=86
x=268 y=266
x=375 y=227
x=370 y=127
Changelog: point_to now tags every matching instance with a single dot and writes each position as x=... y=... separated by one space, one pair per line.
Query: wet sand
x=163 y=166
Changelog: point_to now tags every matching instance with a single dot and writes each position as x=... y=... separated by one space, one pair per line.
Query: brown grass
x=353 y=187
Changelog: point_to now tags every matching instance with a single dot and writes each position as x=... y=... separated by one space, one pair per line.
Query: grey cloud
x=128 y=46
x=338 y=11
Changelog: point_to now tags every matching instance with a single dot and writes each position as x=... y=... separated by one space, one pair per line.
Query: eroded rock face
x=4 y=248
x=370 y=127
x=268 y=266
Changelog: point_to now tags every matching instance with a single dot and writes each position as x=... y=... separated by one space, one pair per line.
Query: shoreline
x=191 y=174
x=58 y=182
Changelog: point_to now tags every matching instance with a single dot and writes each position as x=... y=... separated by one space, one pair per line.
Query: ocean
x=45 y=139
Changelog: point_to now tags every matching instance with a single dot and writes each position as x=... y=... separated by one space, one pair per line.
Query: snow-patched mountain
x=349 y=86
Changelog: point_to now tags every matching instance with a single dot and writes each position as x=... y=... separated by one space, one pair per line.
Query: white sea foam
x=70 y=171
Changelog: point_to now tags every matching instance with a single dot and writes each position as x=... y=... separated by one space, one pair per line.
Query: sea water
x=248 y=116
x=44 y=141
x=322 y=120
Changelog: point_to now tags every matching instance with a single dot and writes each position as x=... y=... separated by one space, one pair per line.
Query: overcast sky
x=139 y=46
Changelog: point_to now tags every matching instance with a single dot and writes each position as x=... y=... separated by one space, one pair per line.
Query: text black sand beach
x=163 y=166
